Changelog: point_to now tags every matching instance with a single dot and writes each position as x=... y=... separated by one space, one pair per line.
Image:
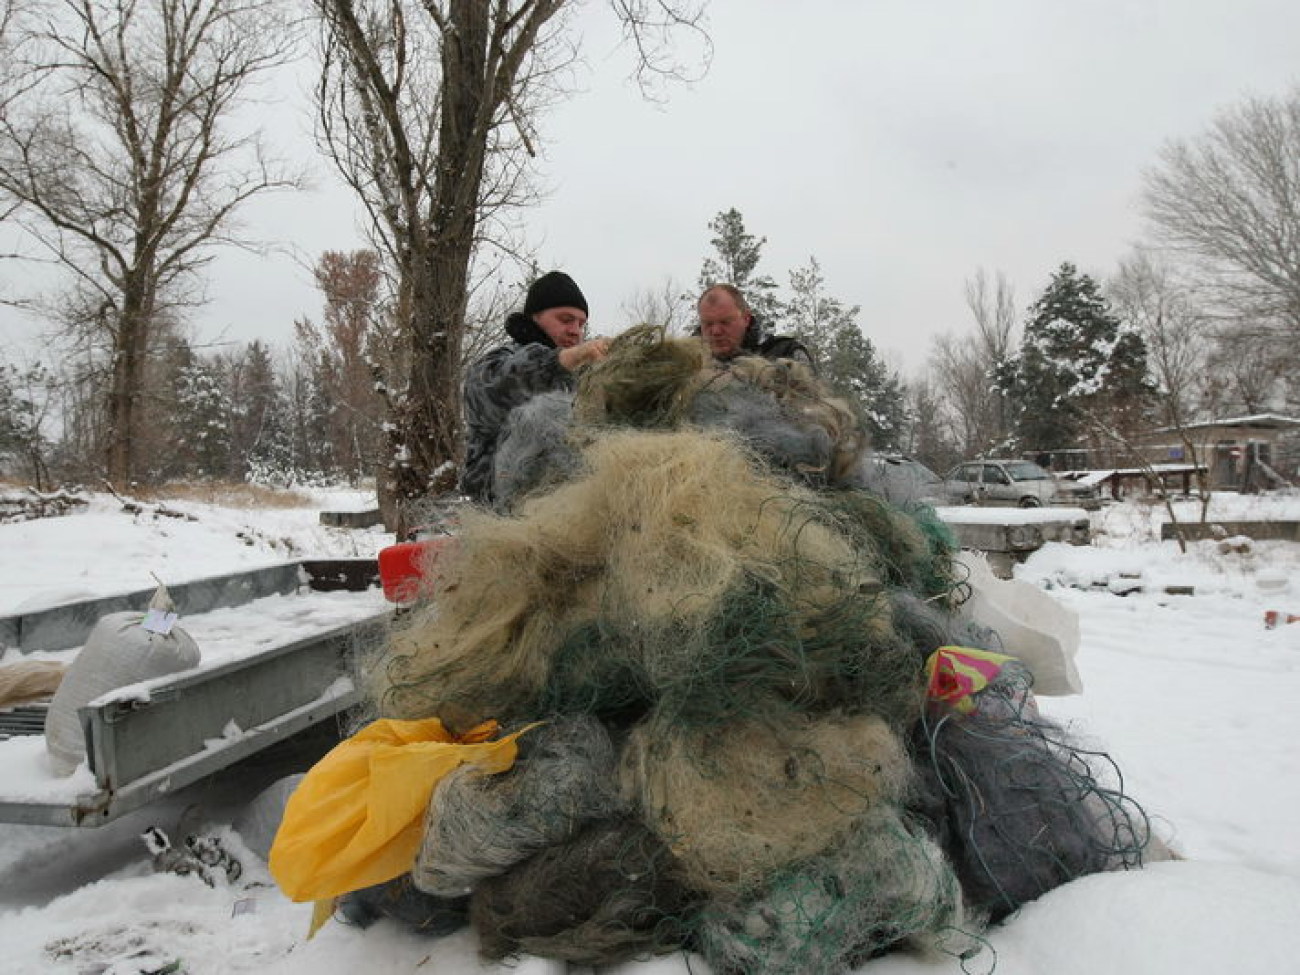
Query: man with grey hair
x=729 y=329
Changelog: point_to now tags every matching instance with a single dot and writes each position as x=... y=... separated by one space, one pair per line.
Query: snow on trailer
x=276 y=646
x=1008 y=536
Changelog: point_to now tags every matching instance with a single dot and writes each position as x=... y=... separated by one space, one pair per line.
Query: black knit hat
x=554 y=289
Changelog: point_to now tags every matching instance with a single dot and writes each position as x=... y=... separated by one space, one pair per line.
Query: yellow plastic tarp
x=357 y=817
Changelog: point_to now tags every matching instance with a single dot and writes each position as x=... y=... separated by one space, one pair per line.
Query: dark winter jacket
x=506 y=377
x=756 y=341
x=782 y=347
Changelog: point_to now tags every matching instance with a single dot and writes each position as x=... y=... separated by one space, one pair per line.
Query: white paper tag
x=156 y=621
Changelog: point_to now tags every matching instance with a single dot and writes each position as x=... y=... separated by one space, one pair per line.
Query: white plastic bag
x=257 y=823
x=1035 y=628
x=119 y=651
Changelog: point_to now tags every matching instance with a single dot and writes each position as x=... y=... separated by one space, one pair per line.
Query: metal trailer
x=139 y=750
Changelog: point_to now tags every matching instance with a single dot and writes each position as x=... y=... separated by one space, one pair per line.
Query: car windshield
x=1024 y=470
x=924 y=474
x=912 y=468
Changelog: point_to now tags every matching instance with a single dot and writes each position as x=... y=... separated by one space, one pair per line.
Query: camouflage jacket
x=506 y=377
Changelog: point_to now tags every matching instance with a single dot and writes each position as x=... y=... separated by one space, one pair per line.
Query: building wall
x=1233 y=452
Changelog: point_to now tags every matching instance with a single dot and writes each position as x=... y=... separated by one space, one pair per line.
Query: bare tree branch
x=429 y=110
x=1231 y=199
x=123 y=159
x=655 y=29
x=975 y=413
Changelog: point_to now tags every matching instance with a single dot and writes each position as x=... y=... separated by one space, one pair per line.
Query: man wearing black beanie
x=547 y=349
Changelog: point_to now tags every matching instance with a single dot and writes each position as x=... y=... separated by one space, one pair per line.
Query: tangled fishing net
x=724 y=636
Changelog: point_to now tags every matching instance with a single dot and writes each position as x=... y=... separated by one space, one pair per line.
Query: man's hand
x=584 y=353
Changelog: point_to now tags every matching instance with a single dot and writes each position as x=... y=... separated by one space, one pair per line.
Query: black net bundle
x=609 y=893
x=724 y=641
x=756 y=654
x=1019 y=806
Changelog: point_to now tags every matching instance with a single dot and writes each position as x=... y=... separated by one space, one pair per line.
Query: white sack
x=1035 y=628
x=118 y=652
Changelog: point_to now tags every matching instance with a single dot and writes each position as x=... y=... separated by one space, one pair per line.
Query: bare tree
x=993 y=306
x=429 y=109
x=344 y=350
x=123 y=158
x=1147 y=294
x=1231 y=199
x=11 y=84
x=667 y=305
x=977 y=413
x=926 y=435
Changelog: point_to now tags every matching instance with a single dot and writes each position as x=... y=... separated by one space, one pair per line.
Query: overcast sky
x=904 y=143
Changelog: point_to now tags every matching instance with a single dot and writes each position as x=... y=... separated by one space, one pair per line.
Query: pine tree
x=1078 y=367
x=310 y=412
x=814 y=317
x=737 y=264
x=854 y=370
x=22 y=444
x=203 y=420
x=846 y=359
x=260 y=442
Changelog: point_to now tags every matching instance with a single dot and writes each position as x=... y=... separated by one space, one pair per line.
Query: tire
x=1030 y=502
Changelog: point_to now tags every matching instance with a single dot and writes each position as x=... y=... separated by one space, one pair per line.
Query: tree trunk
x=426 y=441
x=126 y=385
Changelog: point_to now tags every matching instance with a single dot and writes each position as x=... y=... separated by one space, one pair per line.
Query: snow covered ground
x=1191 y=694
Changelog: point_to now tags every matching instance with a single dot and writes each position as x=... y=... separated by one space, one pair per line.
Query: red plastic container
x=407 y=569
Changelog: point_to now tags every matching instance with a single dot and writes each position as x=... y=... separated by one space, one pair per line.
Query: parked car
x=902 y=480
x=1080 y=488
x=1020 y=482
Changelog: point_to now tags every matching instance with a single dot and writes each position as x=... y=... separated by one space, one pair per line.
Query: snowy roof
x=1095 y=476
x=1265 y=421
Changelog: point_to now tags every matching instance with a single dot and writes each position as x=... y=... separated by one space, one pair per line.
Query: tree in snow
x=926 y=431
x=310 y=409
x=126 y=153
x=346 y=349
x=1078 y=368
x=846 y=359
x=1231 y=199
x=23 y=445
x=202 y=420
x=430 y=111
x=1147 y=293
x=738 y=253
x=667 y=305
x=260 y=424
x=974 y=412
x=813 y=316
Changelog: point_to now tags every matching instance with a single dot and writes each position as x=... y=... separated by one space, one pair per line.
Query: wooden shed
x=1241 y=451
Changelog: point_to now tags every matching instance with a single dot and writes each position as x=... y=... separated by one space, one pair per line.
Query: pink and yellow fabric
x=956 y=674
x=357 y=818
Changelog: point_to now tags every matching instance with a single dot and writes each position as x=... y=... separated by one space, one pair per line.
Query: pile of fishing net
x=741 y=751
x=777 y=408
